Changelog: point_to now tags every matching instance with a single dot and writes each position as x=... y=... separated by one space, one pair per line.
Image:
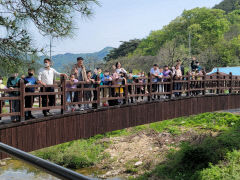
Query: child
x=106 y=80
x=70 y=94
x=160 y=79
x=119 y=80
x=29 y=80
x=88 y=94
x=130 y=81
x=2 y=86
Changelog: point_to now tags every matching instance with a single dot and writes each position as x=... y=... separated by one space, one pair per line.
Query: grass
x=192 y=161
x=75 y=154
x=211 y=158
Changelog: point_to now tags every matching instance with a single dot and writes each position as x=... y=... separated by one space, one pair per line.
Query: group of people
x=79 y=77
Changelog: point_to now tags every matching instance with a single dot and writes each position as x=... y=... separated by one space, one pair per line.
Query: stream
x=12 y=169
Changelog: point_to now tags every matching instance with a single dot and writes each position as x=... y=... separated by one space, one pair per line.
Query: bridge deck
x=44 y=132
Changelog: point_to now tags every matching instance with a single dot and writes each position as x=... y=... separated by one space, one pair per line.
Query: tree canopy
x=228 y=5
x=124 y=49
x=51 y=17
x=214 y=38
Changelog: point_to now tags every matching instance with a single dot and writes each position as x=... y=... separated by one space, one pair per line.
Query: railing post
x=231 y=83
x=22 y=100
x=204 y=83
x=217 y=82
x=150 y=87
x=98 y=95
x=126 y=93
x=63 y=97
x=171 y=86
x=188 y=83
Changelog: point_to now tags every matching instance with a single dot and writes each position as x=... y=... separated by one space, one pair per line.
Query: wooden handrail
x=190 y=85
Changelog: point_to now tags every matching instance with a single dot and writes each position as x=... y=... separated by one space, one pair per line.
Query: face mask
x=14 y=75
x=1 y=81
x=46 y=64
x=30 y=74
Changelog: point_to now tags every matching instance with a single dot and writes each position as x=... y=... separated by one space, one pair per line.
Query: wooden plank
x=43 y=131
x=20 y=137
x=3 y=140
x=158 y=111
x=14 y=137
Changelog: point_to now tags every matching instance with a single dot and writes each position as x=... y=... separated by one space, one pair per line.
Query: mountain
x=228 y=5
x=60 y=61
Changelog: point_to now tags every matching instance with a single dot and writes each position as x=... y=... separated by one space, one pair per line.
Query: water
x=11 y=169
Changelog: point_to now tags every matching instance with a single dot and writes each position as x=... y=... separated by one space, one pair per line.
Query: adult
x=79 y=71
x=193 y=64
x=14 y=82
x=154 y=72
x=46 y=76
x=180 y=64
x=178 y=76
x=119 y=68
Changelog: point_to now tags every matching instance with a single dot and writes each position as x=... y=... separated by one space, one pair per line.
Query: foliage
x=214 y=40
x=201 y=158
x=75 y=154
x=49 y=17
x=124 y=49
x=228 y=5
x=226 y=169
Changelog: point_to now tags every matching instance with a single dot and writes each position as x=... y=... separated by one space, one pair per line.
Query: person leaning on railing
x=72 y=84
x=177 y=76
x=166 y=75
x=14 y=82
x=46 y=77
x=29 y=80
x=2 y=94
x=88 y=94
x=106 y=80
x=79 y=71
x=154 y=72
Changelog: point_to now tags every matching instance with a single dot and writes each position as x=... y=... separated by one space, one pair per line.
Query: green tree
x=124 y=49
x=228 y=5
x=51 y=17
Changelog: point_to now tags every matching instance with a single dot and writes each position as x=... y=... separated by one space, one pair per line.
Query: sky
x=119 y=20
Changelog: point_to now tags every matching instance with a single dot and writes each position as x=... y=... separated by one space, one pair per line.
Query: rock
x=2 y=163
x=109 y=173
x=138 y=163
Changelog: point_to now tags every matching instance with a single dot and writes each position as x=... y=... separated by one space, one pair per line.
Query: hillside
x=60 y=61
x=228 y=5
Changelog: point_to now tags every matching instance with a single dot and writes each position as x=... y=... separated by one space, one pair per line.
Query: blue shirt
x=105 y=80
x=153 y=72
x=30 y=80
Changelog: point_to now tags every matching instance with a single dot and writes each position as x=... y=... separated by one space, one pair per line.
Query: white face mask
x=1 y=81
x=46 y=64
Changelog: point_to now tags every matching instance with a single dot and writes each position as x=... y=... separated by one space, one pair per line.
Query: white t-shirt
x=47 y=75
x=121 y=70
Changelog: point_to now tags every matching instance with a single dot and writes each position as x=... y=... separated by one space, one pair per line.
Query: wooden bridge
x=198 y=95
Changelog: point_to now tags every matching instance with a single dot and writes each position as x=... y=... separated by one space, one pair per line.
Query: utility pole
x=189 y=44
x=50 y=47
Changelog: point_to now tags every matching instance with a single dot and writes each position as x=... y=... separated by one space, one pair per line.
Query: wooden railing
x=141 y=89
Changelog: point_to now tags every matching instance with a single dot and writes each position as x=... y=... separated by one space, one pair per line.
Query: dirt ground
x=139 y=153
